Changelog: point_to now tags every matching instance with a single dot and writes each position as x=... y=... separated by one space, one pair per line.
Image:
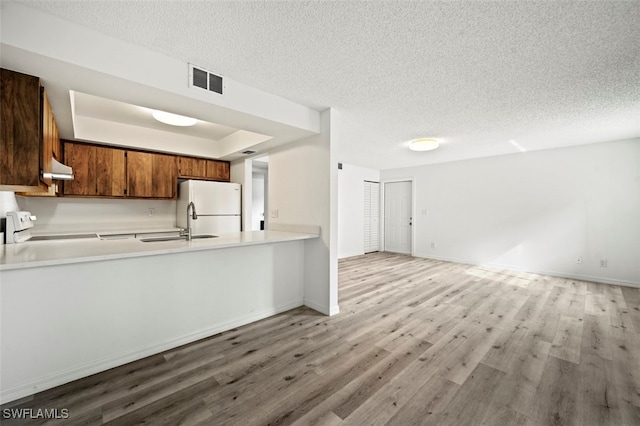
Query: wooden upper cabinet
x=102 y=171
x=20 y=132
x=151 y=175
x=218 y=170
x=111 y=179
x=200 y=168
x=81 y=158
x=48 y=133
x=189 y=167
x=29 y=134
x=99 y=171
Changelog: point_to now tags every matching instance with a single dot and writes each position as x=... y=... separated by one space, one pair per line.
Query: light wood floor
x=417 y=342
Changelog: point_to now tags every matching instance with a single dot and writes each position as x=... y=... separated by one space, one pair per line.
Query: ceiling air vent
x=248 y=152
x=200 y=77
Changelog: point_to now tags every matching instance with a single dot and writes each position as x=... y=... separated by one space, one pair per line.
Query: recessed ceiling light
x=424 y=144
x=173 y=119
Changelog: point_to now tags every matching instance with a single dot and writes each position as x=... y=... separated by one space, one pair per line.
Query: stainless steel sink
x=194 y=237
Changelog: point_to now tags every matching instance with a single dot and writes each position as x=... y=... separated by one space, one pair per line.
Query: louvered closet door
x=371 y=216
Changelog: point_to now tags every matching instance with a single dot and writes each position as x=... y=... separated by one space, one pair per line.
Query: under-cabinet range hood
x=59 y=171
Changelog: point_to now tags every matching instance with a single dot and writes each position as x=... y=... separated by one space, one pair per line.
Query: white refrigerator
x=217 y=206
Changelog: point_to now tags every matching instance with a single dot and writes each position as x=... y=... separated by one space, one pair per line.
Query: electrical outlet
x=433 y=244
x=425 y=212
x=579 y=260
x=152 y=211
x=274 y=214
x=603 y=263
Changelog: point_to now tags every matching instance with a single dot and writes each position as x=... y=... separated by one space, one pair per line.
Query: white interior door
x=397 y=217
x=371 y=216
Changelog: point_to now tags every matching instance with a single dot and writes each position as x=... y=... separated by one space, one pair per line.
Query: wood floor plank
x=178 y=408
x=506 y=348
x=464 y=359
x=563 y=300
x=596 y=304
x=556 y=396
x=411 y=330
x=595 y=403
x=385 y=403
x=427 y=404
x=417 y=341
x=625 y=369
x=596 y=338
x=632 y=299
x=355 y=393
x=327 y=419
x=474 y=400
x=292 y=403
x=136 y=398
x=517 y=390
x=500 y=415
x=567 y=342
x=439 y=320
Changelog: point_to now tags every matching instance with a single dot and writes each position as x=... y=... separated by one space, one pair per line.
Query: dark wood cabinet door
x=189 y=167
x=139 y=170
x=164 y=183
x=99 y=171
x=20 y=131
x=151 y=175
x=111 y=173
x=200 y=168
x=81 y=158
x=218 y=170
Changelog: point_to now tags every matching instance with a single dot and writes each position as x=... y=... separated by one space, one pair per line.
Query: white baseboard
x=334 y=310
x=79 y=372
x=560 y=274
x=347 y=255
x=316 y=307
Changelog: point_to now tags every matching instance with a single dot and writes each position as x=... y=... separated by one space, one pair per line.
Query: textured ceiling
x=477 y=74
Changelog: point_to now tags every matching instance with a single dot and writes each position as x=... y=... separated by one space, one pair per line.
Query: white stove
x=18 y=228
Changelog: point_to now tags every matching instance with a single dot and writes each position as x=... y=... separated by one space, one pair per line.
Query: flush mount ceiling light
x=173 y=119
x=424 y=144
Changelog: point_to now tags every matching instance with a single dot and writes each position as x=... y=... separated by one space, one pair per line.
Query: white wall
x=351 y=208
x=60 y=323
x=538 y=211
x=95 y=214
x=302 y=188
x=240 y=171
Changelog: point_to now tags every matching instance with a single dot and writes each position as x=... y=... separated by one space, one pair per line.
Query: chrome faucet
x=193 y=216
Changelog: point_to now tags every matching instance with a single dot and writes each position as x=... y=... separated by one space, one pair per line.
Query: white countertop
x=33 y=254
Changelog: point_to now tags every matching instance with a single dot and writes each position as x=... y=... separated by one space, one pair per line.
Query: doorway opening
x=259 y=192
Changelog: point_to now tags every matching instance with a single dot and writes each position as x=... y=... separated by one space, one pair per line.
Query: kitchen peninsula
x=71 y=308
